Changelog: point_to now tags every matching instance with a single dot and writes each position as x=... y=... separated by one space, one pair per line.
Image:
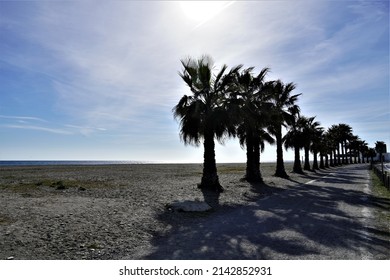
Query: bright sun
x=202 y=11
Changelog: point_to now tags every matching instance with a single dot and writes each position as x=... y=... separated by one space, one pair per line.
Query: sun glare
x=202 y=11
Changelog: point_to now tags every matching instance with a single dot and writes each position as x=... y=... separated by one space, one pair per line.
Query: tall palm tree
x=325 y=149
x=316 y=145
x=284 y=108
x=203 y=114
x=294 y=138
x=309 y=131
x=251 y=100
x=334 y=134
x=371 y=153
x=380 y=148
x=360 y=149
x=363 y=150
x=353 y=145
x=345 y=134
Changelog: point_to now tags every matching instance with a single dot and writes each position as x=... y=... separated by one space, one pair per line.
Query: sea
x=68 y=162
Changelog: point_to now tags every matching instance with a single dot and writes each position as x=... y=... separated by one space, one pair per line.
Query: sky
x=97 y=80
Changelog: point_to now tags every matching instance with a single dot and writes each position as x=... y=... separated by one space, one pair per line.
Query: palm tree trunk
x=343 y=152
x=322 y=165
x=338 y=155
x=249 y=176
x=315 y=161
x=280 y=171
x=326 y=161
x=297 y=161
x=256 y=160
x=350 y=155
x=307 y=162
x=210 y=178
x=331 y=162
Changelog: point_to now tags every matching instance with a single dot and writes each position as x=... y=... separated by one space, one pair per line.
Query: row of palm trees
x=237 y=103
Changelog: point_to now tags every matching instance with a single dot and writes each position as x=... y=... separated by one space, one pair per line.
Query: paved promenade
x=329 y=218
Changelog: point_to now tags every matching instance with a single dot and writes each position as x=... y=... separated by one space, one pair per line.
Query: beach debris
x=189 y=206
x=10 y=258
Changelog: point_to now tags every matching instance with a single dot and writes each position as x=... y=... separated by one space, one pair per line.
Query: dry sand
x=111 y=211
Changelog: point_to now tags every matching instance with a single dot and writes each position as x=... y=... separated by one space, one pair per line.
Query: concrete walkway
x=328 y=218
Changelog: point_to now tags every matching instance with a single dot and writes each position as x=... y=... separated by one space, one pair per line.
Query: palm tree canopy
x=380 y=147
x=252 y=103
x=204 y=110
x=284 y=106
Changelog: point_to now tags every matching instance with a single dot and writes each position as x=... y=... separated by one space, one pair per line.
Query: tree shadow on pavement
x=304 y=222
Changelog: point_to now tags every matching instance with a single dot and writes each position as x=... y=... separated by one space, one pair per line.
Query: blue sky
x=98 y=79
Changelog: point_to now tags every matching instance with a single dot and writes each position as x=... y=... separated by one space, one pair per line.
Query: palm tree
x=354 y=143
x=334 y=134
x=310 y=126
x=284 y=108
x=359 y=149
x=294 y=138
x=345 y=134
x=371 y=153
x=316 y=145
x=251 y=100
x=325 y=149
x=203 y=114
x=380 y=148
x=363 y=150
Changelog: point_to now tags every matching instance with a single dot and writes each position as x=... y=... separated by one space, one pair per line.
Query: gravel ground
x=112 y=211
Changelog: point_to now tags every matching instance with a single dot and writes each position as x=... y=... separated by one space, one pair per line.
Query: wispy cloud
x=85 y=130
x=23 y=118
x=39 y=128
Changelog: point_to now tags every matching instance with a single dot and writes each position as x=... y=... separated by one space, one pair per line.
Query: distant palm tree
x=284 y=108
x=316 y=144
x=371 y=153
x=363 y=150
x=309 y=131
x=345 y=134
x=380 y=148
x=294 y=138
x=203 y=114
x=252 y=102
x=335 y=137
x=324 y=149
x=353 y=145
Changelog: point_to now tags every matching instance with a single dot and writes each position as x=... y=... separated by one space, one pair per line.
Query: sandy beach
x=112 y=211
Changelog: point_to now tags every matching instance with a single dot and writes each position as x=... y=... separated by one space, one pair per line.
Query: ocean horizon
x=70 y=162
x=99 y=162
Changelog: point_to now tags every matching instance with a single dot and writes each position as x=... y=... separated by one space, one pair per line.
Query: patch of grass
x=381 y=193
x=231 y=168
x=378 y=187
